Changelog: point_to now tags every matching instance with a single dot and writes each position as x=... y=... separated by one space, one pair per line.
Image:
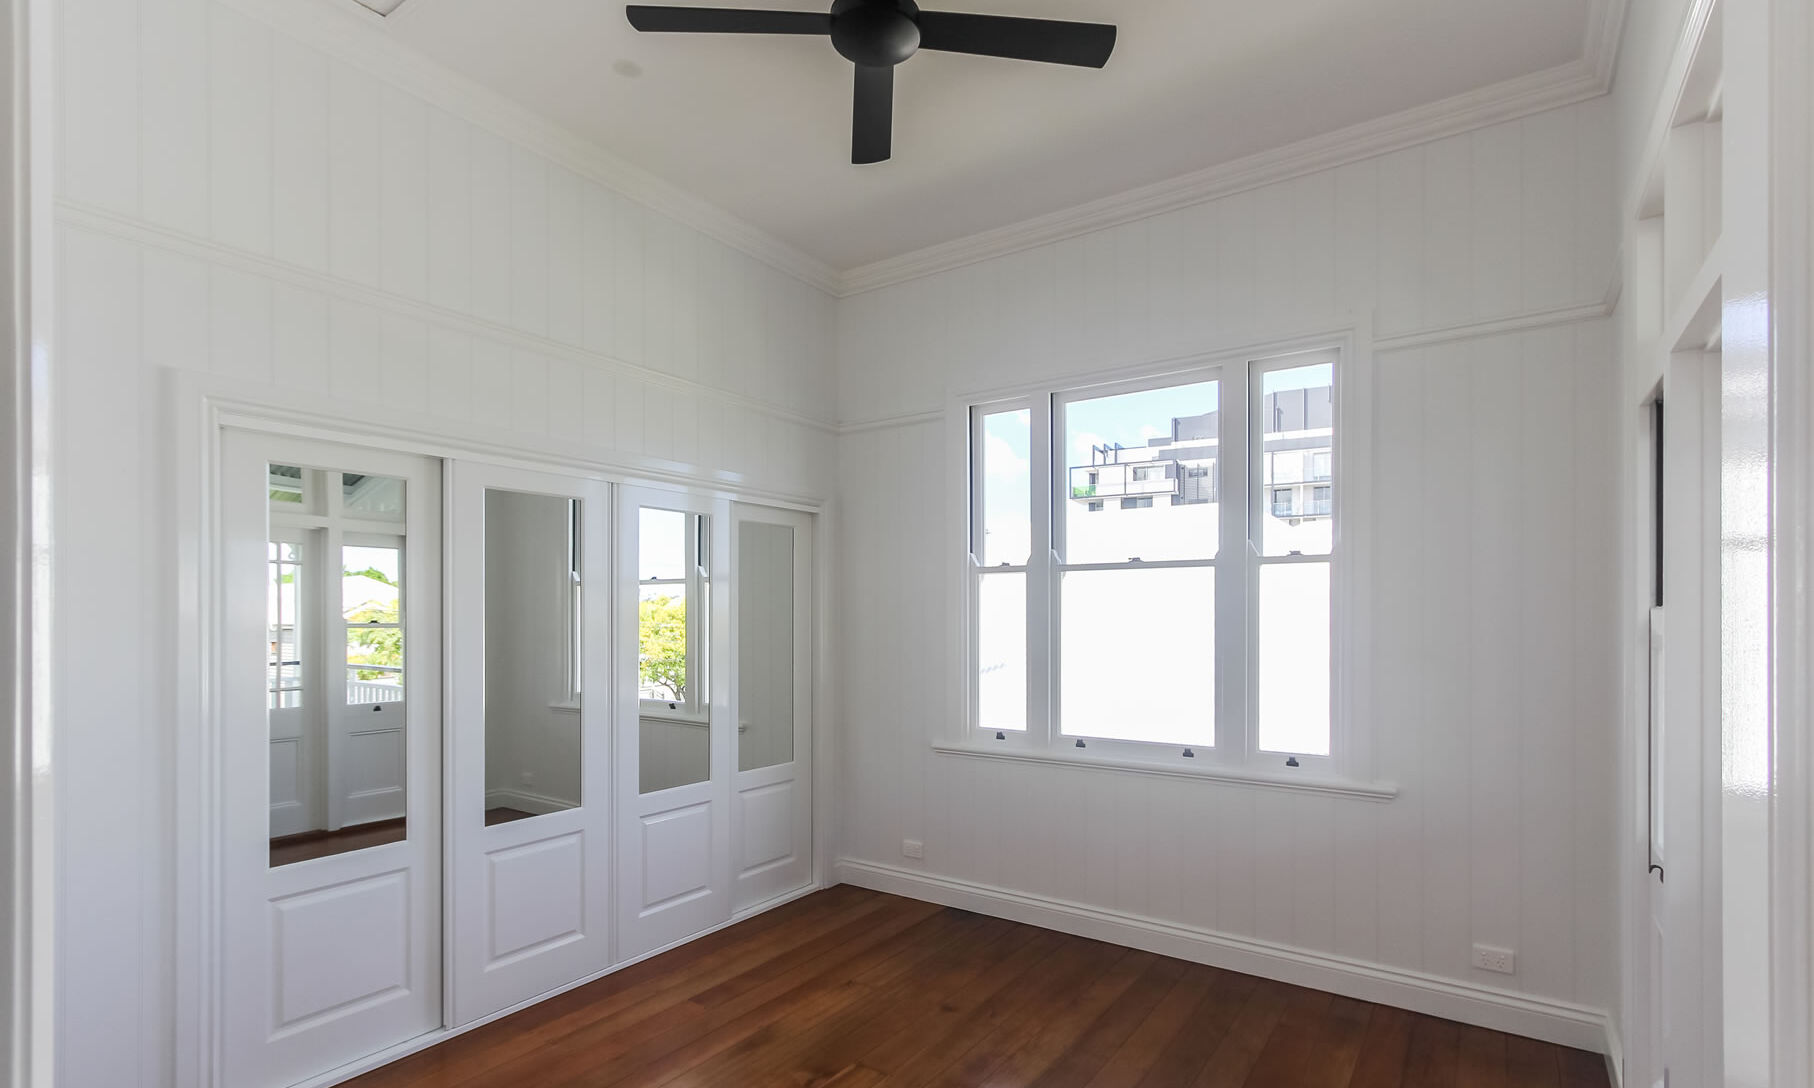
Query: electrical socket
x=913 y=848
x=1502 y=960
x=528 y=778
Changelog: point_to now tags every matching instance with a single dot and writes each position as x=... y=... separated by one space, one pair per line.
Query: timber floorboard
x=849 y=988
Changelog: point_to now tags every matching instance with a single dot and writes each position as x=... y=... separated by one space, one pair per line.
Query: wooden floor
x=853 y=989
x=309 y=845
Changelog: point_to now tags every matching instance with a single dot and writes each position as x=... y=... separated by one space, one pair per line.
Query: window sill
x=1333 y=787
x=570 y=706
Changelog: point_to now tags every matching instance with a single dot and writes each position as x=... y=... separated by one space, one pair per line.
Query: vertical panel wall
x=238 y=203
x=1484 y=264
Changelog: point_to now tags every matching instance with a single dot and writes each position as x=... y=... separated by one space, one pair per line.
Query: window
x=371 y=594
x=672 y=572
x=1189 y=629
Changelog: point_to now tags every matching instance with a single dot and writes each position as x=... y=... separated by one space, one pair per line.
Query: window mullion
x=1234 y=575
x=1042 y=606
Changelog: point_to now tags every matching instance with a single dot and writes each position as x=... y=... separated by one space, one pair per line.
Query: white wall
x=1496 y=689
x=237 y=203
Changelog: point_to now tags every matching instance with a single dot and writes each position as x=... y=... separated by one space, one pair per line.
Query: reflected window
x=335 y=662
x=371 y=595
x=283 y=668
x=673 y=607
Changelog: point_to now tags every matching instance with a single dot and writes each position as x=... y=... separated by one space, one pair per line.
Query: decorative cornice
x=360 y=39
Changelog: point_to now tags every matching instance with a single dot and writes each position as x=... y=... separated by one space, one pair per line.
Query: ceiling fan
x=876 y=35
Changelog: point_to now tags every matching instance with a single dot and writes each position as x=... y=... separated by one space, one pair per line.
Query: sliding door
x=329 y=691
x=674 y=737
x=530 y=803
x=772 y=810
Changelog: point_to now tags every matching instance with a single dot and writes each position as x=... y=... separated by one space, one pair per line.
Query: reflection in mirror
x=765 y=645
x=334 y=662
x=532 y=655
x=672 y=608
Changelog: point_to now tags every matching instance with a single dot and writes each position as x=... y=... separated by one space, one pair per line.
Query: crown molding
x=358 y=37
x=1564 y=85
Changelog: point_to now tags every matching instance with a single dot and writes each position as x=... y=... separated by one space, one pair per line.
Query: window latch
x=1292 y=761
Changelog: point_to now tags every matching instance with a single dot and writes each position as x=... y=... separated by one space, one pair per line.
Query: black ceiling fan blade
x=1049 y=40
x=872 y=118
x=726 y=20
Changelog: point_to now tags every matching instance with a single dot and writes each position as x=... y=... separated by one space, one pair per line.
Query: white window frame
x=1236 y=754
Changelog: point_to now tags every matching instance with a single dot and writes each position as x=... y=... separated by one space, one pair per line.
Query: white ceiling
x=760 y=126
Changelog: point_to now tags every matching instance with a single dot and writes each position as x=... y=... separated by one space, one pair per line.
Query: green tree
x=662 y=627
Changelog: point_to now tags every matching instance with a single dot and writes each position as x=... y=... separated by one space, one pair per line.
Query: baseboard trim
x=1500 y=1010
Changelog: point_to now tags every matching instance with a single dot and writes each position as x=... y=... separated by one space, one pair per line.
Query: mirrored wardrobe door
x=529 y=806
x=329 y=595
x=674 y=749
x=771 y=556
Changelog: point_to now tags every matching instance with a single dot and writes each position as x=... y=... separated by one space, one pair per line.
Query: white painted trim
x=1791 y=229
x=1500 y=326
x=333 y=419
x=1612 y=1048
x=1536 y=1017
x=1553 y=88
x=28 y=883
x=1234 y=776
x=363 y=42
x=434 y=1038
x=1526 y=321
x=136 y=231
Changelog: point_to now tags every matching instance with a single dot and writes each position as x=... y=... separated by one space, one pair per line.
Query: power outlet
x=1502 y=960
x=913 y=848
x=527 y=778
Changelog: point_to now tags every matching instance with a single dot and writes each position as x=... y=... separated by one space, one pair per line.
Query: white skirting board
x=1500 y=1010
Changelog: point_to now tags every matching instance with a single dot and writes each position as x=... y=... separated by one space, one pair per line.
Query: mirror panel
x=533 y=620
x=335 y=662
x=673 y=610
x=765 y=645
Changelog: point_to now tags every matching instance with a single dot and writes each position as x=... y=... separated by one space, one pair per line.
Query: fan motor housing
x=875 y=33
